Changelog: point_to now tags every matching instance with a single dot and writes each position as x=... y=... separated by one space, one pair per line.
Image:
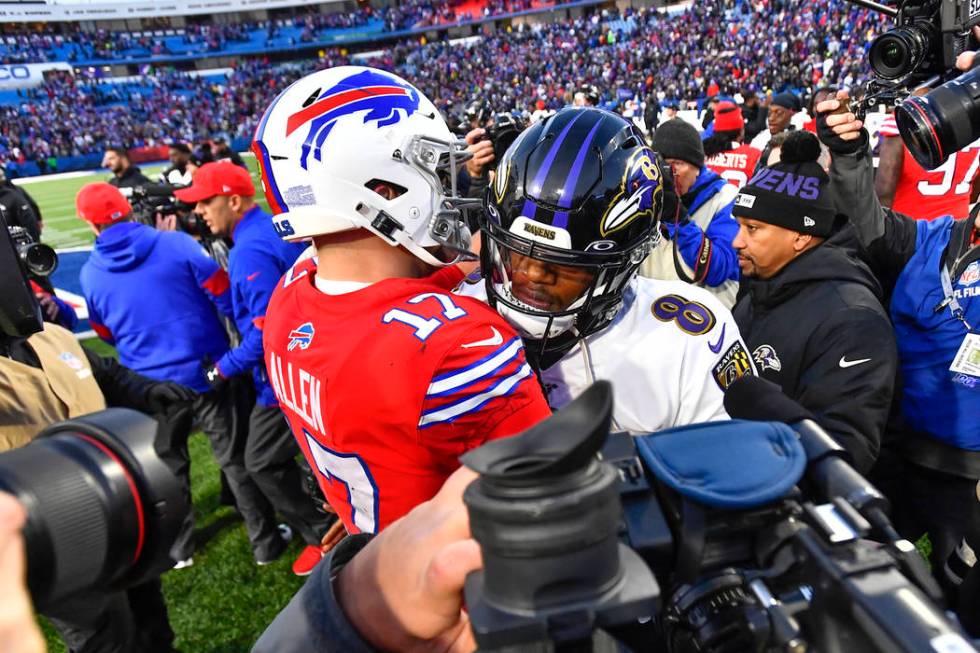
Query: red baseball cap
x=728 y=117
x=219 y=178
x=101 y=203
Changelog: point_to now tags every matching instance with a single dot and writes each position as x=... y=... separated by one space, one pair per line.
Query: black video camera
x=503 y=131
x=921 y=51
x=150 y=200
x=721 y=537
x=39 y=259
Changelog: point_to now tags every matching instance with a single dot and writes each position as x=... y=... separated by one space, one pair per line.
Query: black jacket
x=131 y=178
x=818 y=329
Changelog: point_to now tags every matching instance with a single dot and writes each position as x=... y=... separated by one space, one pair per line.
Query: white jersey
x=670 y=354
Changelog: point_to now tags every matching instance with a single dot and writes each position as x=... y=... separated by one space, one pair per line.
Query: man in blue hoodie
x=224 y=195
x=157 y=296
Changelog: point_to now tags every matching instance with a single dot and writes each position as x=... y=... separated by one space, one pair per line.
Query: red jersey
x=928 y=194
x=386 y=386
x=735 y=166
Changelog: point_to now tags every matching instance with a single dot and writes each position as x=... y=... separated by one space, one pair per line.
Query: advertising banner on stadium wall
x=26 y=75
x=11 y=12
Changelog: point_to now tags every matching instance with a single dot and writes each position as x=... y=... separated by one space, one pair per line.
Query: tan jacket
x=32 y=399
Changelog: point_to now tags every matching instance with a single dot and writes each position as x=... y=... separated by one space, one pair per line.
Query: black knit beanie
x=676 y=139
x=793 y=193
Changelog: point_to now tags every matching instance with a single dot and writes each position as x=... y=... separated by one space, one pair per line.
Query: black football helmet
x=572 y=212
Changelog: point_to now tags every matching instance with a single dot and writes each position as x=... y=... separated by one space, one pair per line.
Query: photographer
x=124 y=174
x=168 y=337
x=933 y=267
x=46 y=378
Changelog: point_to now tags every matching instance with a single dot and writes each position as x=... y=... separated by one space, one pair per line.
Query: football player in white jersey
x=574 y=208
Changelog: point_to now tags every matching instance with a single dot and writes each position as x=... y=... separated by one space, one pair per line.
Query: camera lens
x=103 y=508
x=896 y=53
x=939 y=124
x=39 y=258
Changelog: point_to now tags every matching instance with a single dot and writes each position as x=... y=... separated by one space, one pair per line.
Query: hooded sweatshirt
x=156 y=295
x=818 y=329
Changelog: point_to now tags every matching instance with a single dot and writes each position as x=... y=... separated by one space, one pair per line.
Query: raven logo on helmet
x=386 y=99
x=638 y=196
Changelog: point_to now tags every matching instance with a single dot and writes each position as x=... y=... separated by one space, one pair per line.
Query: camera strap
x=949 y=299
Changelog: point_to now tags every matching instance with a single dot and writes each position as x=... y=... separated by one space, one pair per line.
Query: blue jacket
x=156 y=296
x=935 y=400
x=256 y=263
x=722 y=263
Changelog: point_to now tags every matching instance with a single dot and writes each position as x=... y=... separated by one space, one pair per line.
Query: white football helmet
x=331 y=137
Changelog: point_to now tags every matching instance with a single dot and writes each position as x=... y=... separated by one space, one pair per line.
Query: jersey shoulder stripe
x=473 y=403
x=457 y=380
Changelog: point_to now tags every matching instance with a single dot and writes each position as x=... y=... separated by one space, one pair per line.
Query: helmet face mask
x=327 y=142
x=563 y=239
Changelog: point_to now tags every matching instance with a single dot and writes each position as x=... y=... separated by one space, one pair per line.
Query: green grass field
x=224 y=601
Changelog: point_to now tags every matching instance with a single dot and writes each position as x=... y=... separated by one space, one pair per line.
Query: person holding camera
x=224 y=196
x=699 y=228
x=47 y=377
x=810 y=313
x=167 y=337
x=934 y=269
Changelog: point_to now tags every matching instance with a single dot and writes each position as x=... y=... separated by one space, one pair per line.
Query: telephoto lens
x=937 y=125
x=546 y=512
x=102 y=507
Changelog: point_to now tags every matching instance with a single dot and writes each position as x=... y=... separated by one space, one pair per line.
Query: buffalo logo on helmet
x=301 y=337
x=640 y=192
x=385 y=98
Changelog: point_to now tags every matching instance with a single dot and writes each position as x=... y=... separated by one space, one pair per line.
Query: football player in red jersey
x=385 y=377
x=906 y=187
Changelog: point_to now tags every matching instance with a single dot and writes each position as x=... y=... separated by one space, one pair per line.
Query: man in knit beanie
x=697 y=243
x=810 y=313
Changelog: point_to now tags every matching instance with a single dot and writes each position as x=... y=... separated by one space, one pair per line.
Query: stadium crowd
x=710 y=49
x=100 y=44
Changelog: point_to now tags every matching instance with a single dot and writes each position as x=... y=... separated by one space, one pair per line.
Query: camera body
x=928 y=37
x=150 y=200
x=37 y=258
x=731 y=536
x=921 y=51
x=503 y=131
